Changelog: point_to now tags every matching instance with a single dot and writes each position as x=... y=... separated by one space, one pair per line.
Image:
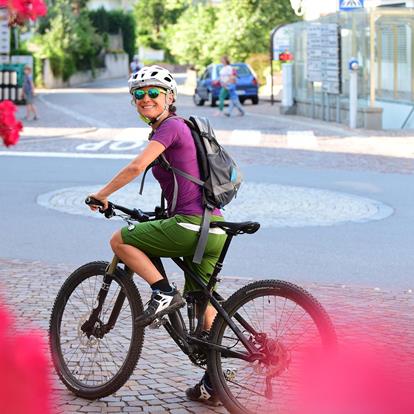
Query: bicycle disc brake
x=84 y=338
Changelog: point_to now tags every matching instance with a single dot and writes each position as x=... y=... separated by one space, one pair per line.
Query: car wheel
x=242 y=100
x=255 y=100
x=198 y=100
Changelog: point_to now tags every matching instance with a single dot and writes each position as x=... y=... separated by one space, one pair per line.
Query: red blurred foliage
x=360 y=378
x=23 y=10
x=24 y=370
x=9 y=126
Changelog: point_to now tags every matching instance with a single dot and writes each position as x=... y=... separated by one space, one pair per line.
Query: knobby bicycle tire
x=72 y=289
x=292 y=298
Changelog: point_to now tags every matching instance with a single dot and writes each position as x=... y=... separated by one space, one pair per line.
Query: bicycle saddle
x=248 y=227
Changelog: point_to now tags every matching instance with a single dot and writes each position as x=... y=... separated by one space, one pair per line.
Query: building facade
x=381 y=39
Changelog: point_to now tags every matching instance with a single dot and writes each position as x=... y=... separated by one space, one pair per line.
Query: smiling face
x=153 y=107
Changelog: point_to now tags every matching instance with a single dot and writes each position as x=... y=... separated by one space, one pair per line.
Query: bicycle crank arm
x=225 y=352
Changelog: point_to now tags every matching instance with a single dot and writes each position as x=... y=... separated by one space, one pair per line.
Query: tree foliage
x=114 y=22
x=69 y=40
x=153 y=19
x=237 y=28
x=190 y=39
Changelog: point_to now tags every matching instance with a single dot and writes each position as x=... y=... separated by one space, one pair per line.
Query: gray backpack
x=220 y=176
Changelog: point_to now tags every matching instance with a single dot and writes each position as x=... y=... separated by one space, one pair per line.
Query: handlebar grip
x=90 y=201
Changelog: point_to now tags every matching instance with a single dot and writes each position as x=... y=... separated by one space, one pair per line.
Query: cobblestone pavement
x=163 y=373
x=286 y=206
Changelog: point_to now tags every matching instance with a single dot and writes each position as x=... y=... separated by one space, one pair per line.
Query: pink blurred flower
x=24 y=370
x=9 y=126
x=23 y=10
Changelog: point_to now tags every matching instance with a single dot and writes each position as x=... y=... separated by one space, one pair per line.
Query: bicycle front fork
x=94 y=326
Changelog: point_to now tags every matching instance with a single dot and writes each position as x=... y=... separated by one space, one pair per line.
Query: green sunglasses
x=152 y=93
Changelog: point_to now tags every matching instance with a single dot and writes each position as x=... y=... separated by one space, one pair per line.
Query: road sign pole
x=287 y=78
x=353 y=92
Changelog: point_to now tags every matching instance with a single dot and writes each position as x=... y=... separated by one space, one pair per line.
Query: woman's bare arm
x=131 y=171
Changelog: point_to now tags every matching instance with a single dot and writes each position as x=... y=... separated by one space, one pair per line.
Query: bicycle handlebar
x=135 y=214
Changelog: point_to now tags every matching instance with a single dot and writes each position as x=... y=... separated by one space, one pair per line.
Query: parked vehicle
x=208 y=85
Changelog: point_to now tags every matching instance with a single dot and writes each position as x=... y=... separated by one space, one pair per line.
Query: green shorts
x=177 y=237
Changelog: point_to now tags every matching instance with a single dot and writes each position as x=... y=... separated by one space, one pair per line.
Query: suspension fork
x=102 y=294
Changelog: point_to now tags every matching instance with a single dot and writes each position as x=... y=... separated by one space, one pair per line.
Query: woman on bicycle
x=154 y=92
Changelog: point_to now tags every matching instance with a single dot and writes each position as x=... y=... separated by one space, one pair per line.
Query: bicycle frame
x=176 y=326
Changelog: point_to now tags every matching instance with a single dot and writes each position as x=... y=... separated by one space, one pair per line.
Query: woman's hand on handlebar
x=102 y=199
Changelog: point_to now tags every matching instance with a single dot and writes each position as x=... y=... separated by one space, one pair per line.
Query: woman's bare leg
x=135 y=259
x=141 y=264
x=209 y=316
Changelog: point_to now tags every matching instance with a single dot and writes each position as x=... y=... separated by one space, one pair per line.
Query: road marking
x=50 y=132
x=301 y=139
x=125 y=145
x=92 y=146
x=39 y=154
x=132 y=134
x=245 y=137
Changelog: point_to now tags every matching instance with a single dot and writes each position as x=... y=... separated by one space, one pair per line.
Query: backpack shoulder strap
x=141 y=188
x=203 y=237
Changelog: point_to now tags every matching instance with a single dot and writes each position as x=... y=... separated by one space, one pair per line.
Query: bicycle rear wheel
x=286 y=325
x=92 y=365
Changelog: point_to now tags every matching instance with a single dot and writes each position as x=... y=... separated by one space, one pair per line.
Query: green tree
x=114 y=22
x=154 y=17
x=243 y=26
x=190 y=39
x=69 y=40
x=237 y=28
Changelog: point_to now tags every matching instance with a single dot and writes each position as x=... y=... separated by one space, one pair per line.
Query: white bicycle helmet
x=152 y=76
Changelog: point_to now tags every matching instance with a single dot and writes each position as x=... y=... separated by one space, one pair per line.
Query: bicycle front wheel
x=95 y=363
x=285 y=325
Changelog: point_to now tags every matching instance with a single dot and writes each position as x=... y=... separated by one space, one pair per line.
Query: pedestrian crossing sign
x=351 y=4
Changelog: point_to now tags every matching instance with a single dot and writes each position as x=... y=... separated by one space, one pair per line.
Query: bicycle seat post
x=212 y=282
x=220 y=261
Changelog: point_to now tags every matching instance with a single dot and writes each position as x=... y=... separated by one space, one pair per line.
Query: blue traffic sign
x=351 y=4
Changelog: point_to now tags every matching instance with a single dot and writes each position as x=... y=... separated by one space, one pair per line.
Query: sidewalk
x=163 y=373
x=301 y=133
x=330 y=136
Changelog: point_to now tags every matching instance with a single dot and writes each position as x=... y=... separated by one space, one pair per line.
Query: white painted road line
x=301 y=139
x=66 y=155
x=244 y=138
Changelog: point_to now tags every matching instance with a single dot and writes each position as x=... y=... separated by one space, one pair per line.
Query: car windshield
x=242 y=70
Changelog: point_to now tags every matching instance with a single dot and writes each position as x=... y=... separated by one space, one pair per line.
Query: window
x=388 y=34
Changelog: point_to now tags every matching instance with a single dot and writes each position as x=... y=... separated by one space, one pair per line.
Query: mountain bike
x=253 y=351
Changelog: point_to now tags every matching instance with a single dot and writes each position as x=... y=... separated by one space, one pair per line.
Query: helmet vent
x=168 y=79
x=153 y=73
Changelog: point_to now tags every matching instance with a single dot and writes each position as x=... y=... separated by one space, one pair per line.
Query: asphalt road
x=321 y=238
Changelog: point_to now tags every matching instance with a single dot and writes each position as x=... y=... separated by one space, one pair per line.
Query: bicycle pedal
x=157 y=323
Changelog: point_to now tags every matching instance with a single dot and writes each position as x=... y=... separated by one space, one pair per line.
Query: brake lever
x=143 y=216
x=108 y=213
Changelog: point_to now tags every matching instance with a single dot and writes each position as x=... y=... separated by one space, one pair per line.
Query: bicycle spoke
x=92 y=360
x=288 y=329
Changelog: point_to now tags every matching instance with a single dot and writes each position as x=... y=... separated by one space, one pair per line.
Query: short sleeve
x=167 y=133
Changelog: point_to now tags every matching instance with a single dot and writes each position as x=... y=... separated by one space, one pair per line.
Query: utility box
x=11 y=82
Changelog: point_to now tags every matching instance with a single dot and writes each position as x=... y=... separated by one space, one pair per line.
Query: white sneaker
x=161 y=303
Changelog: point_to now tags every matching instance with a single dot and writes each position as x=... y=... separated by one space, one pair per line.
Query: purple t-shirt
x=180 y=152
